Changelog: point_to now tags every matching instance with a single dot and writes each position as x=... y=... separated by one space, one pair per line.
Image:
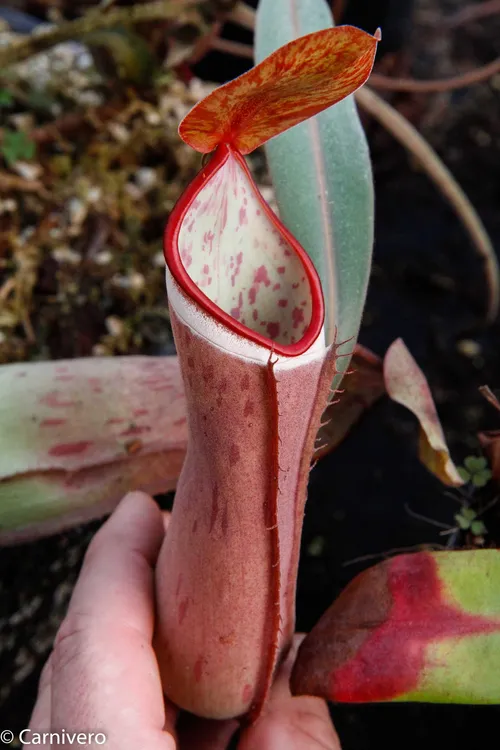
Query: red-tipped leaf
x=421 y=627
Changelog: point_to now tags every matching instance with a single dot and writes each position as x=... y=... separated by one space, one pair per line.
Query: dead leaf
x=406 y=384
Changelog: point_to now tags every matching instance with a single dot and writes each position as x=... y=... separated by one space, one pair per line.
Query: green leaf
x=6 y=99
x=481 y=478
x=475 y=463
x=462 y=521
x=16 y=145
x=316 y=546
x=468 y=513
x=464 y=473
x=322 y=177
x=478 y=528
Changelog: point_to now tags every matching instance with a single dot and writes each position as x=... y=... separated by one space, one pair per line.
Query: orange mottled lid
x=294 y=83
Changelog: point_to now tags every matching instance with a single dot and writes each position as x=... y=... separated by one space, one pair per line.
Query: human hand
x=102 y=675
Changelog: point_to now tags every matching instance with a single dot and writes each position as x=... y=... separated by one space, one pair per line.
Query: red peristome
x=295 y=82
x=391 y=660
x=308 y=333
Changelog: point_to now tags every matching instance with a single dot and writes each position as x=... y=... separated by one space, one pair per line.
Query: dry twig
x=11 y=182
x=242 y=15
x=92 y=21
x=473 y=13
x=488 y=394
x=386 y=83
x=232 y=48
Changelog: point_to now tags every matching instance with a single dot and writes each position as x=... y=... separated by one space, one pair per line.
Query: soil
x=427 y=287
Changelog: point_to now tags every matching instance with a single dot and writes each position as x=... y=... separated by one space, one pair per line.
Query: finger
x=105 y=676
x=40 y=718
x=291 y=723
x=204 y=734
x=166 y=519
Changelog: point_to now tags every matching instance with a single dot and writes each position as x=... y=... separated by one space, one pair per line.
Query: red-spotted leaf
x=295 y=82
x=421 y=627
x=76 y=434
x=406 y=384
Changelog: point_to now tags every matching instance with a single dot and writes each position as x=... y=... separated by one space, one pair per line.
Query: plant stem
x=473 y=13
x=92 y=21
x=386 y=83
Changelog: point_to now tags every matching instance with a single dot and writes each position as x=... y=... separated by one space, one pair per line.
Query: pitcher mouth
x=231 y=255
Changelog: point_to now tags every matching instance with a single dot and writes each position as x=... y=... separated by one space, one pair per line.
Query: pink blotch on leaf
x=179 y=584
x=234 y=454
x=261 y=276
x=182 y=611
x=243 y=216
x=273 y=330
x=207 y=373
x=135 y=430
x=215 y=507
x=297 y=316
x=249 y=408
x=70 y=449
x=198 y=668
x=56 y=401
x=52 y=422
x=236 y=311
x=225 y=521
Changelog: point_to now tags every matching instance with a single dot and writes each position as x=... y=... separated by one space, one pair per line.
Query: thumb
x=291 y=723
